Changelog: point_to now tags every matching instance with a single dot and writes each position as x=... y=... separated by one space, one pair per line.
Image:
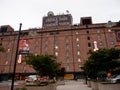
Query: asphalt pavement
x=61 y=85
x=6 y=85
x=73 y=85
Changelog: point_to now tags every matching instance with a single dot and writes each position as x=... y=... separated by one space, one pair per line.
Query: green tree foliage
x=2 y=49
x=61 y=72
x=21 y=88
x=44 y=64
x=102 y=60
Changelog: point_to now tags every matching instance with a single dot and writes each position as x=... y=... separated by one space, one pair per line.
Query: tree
x=101 y=61
x=43 y=64
x=61 y=72
x=2 y=49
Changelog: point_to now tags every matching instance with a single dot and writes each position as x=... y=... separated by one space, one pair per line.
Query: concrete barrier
x=94 y=85
x=89 y=83
x=108 y=86
x=48 y=87
x=18 y=86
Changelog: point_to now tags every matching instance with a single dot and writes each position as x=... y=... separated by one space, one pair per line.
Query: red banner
x=24 y=46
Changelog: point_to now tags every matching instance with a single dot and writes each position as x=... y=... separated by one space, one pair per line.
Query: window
x=68 y=67
x=111 y=36
x=99 y=37
x=101 y=44
x=78 y=52
x=56 y=47
x=78 y=45
x=8 y=50
x=7 y=56
x=98 y=31
x=47 y=34
x=46 y=48
x=1 y=38
x=79 y=60
x=67 y=53
x=79 y=67
x=67 y=60
x=36 y=42
x=6 y=62
x=77 y=39
x=36 y=48
x=88 y=38
x=87 y=32
x=56 y=53
x=89 y=51
x=51 y=33
x=46 y=42
x=66 y=33
x=57 y=32
x=112 y=43
x=77 y=33
x=9 y=44
x=89 y=44
x=5 y=69
x=67 y=40
x=67 y=46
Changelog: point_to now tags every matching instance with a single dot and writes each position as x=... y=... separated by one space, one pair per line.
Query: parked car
x=32 y=78
x=43 y=80
x=114 y=79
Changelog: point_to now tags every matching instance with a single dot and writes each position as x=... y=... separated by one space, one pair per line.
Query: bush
x=21 y=88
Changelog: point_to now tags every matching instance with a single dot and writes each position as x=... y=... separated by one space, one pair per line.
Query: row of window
x=77 y=32
x=68 y=60
x=69 y=68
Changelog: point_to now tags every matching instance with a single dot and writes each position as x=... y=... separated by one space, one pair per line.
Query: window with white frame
x=78 y=45
x=79 y=59
x=56 y=53
x=78 y=52
x=77 y=39
x=77 y=33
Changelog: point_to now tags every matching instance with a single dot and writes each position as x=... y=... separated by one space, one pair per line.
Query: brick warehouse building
x=69 y=42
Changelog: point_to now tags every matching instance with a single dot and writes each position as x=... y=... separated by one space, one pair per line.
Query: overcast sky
x=30 y=12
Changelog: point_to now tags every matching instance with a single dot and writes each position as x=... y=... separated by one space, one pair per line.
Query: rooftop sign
x=58 y=20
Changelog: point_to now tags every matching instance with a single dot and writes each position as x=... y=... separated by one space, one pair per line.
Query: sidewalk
x=73 y=85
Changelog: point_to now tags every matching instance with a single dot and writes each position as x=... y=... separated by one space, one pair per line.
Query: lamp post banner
x=24 y=46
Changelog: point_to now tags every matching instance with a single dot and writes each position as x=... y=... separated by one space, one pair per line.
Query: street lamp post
x=13 y=77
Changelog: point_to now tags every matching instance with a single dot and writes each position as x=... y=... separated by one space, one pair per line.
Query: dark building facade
x=69 y=42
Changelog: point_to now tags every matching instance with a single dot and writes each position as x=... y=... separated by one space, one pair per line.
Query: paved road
x=73 y=85
x=6 y=85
